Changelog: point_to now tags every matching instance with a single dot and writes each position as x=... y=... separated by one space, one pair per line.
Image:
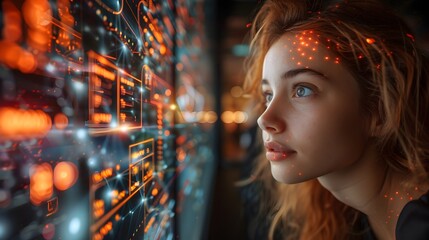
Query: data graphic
x=106 y=119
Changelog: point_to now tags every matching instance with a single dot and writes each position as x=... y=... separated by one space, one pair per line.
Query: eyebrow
x=295 y=72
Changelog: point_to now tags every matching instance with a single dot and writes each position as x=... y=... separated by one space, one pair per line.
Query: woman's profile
x=344 y=96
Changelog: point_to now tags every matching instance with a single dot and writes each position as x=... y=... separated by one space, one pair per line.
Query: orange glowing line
x=67 y=28
x=96 y=225
x=110 y=9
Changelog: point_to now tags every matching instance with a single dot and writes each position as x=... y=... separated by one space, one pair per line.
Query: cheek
x=332 y=135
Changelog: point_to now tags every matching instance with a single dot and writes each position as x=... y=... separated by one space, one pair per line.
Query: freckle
x=411 y=198
x=299 y=174
x=401 y=198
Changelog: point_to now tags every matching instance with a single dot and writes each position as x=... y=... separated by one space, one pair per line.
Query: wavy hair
x=380 y=51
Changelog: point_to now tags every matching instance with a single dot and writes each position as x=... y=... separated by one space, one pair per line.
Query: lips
x=277 y=152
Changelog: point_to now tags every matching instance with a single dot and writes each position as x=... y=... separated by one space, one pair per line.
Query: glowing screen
x=105 y=118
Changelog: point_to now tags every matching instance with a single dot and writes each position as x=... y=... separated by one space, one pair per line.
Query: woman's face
x=312 y=125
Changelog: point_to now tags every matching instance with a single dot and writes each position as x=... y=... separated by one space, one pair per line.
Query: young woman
x=344 y=121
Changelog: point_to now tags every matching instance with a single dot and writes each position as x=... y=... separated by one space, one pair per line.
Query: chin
x=288 y=177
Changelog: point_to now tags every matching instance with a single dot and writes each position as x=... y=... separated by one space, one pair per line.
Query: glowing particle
x=370 y=40
x=74 y=226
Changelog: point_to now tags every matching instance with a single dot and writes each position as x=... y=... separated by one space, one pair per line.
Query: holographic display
x=105 y=118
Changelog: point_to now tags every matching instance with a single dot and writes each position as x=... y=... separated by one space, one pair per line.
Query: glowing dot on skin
x=299 y=49
x=391 y=199
x=299 y=174
x=396 y=193
x=385 y=195
x=370 y=40
x=299 y=63
x=302 y=54
x=310 y=58
x=314 y=49
x=326 y=58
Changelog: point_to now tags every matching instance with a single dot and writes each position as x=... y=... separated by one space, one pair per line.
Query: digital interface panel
x=106 y=118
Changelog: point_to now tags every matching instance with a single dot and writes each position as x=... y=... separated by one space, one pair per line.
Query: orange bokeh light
x=61 y=121
x=65 y=175
x=26 y=62
x=17 y=124
x=41 y=183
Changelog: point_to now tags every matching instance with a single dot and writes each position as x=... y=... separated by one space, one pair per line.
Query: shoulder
x=413 y=222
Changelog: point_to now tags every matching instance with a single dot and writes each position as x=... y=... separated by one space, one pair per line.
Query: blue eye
x=302 y=91
x=268 y=97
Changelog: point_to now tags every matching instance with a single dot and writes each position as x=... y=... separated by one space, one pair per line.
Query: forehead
x=302 y=50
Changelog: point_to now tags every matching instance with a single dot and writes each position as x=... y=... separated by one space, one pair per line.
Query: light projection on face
x=305 y=47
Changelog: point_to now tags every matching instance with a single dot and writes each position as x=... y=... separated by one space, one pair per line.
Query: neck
x=372 y=188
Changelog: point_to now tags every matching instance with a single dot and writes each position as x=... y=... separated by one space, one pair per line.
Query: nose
x=270 y=121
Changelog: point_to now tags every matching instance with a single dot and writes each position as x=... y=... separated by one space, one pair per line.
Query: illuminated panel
x=141 y=164
x=115 y=96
